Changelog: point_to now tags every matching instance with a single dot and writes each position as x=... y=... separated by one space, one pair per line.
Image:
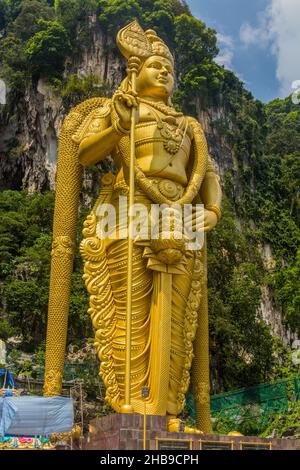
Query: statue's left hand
x=210 y=220
x=122 y=104
x=207 y=220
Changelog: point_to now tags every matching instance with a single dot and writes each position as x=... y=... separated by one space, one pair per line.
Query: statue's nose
x=164 y=71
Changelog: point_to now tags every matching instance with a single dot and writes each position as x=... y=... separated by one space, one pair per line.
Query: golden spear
x=129 y=40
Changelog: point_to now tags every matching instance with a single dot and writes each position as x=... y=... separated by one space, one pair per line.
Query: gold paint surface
x=169 y=315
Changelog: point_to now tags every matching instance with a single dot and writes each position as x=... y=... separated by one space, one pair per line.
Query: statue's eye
x=155 y=65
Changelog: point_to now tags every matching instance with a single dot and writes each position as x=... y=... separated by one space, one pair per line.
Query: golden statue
x=148 y=297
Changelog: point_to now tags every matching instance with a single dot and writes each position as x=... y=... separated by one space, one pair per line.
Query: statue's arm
x=211 y=192
x=95 y=148
x=114 y=125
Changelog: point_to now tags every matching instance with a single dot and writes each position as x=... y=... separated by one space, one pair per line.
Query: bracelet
x=119 y=129
x=214 y=209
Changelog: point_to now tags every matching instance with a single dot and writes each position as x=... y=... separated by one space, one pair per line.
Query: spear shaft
x=127 y=407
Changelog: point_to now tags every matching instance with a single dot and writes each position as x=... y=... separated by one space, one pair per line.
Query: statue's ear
x=125 y=85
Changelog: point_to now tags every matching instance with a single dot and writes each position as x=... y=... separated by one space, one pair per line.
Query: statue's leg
x=160 y=337
x=181 y=287
x=141 y=301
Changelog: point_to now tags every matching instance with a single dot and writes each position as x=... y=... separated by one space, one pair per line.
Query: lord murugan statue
x=148 y=297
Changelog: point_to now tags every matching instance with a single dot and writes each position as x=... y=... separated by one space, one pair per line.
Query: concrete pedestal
x=126 y=432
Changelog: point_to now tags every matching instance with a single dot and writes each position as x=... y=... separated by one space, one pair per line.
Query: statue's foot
x=177 y=425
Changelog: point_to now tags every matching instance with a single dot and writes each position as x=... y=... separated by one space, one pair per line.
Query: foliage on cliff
x=25 y=247
x=262 y=189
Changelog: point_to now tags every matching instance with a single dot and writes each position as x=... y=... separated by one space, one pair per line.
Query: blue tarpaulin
x=35 y=416
x=7 y=379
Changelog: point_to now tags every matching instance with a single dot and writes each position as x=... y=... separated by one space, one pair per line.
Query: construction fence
x=263 y=400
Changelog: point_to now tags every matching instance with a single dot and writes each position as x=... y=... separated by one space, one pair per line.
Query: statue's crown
x=134 y=41
x=158 y=46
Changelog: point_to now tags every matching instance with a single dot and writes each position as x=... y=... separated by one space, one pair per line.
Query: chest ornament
x=172 y=137
x=172 y=133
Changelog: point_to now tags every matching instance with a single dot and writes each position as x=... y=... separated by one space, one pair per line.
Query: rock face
x=273 y=317
x=100 y=58
x=28 y=145
x=29 y=141
x=29 y=135
x=268 y=310
x=2 y=353
x=218 y=146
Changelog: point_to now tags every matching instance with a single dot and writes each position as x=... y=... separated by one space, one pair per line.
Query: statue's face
x=156 y=78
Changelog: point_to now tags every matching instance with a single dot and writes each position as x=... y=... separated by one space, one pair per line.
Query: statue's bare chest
x=165 y=134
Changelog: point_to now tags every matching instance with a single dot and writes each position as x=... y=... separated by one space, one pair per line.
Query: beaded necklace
x=162 y=107
x=172 y=134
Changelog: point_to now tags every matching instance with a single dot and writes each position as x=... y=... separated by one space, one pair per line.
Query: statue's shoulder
x=194 y=122
x=87 y=118
x=198 y=128
x=195 y=126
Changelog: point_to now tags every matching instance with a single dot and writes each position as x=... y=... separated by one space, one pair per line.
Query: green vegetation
x=47 y=49
x=76 y=90
x=285 y=424
x=25 y=247
x=241 y=343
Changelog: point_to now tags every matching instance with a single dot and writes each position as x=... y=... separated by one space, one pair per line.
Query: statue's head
x=155 y=77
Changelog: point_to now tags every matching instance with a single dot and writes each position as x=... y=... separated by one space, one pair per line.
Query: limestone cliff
x=30 y=133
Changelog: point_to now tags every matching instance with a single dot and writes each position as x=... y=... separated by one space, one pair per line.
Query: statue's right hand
x=122 y=104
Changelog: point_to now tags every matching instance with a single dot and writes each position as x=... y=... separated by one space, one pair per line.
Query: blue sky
x=259 y=40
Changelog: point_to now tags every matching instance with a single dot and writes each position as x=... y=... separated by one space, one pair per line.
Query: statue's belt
x=168 y=188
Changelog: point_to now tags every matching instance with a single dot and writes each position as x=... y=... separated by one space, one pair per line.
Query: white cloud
x=285 y=18
x=259 y=36
x=226 y=54
x=278 y=28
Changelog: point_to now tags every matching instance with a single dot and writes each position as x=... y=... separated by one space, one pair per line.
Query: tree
x=115 y=14
x=27 y=22
x=14 y=66
x=283 y=121
x=240 y=342
x=288 y=292
x=27 y=309
x=78 y=89
x=3 y=20
x=12 y=52
x=25 y=254
x=195 y=43
x=201 y=85
x=73 y=13
x=200 y=79
x=180 y=7
x=290 y=181
x=9 y=10
x=47 y=49
x=160 y=17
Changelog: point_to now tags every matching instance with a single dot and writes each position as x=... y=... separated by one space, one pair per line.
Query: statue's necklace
x=162 y=107
x=172 y=135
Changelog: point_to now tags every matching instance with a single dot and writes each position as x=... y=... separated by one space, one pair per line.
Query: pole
x=81 y=410
x=145 y=426
x=145 y=395
x=127 y=407
x=71 y=443
x=5 y=378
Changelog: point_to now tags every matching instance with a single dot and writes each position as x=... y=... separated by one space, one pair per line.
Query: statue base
x=126 y=432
